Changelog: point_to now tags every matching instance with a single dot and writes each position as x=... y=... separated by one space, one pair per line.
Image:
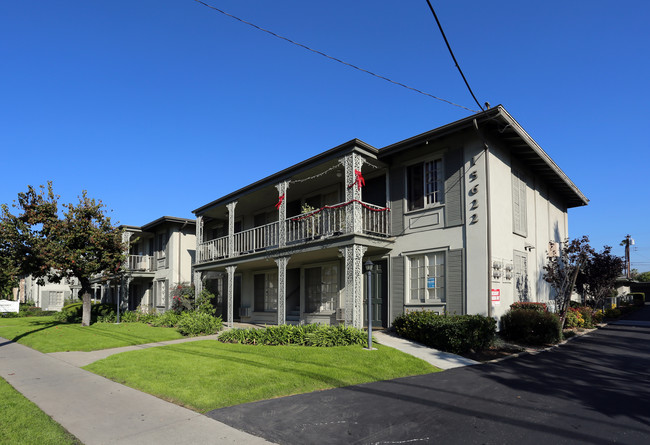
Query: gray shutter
x=519 y=222
x=454 y=188
x=455 y=282
x=397 y=200
x=396 y=287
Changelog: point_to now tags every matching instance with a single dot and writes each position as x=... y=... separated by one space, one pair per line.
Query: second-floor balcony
x=141 y=263
x=327 y=222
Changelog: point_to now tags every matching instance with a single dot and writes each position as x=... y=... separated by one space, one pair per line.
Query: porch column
x=282 y=215
x=231 y=292
x=126 y=240
x=353 y=213
x=231 y=228
x=353 y=256
x=198 y=283
x=199 y=239
x=282 y=288
x=127 y=294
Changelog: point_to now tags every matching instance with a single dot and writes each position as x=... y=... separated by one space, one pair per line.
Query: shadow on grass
x=46 y=325
x=254 y=359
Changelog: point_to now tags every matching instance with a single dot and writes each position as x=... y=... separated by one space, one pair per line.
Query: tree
x=80 y=243
x=643 y=277
x=599 y=275
x=562 y=269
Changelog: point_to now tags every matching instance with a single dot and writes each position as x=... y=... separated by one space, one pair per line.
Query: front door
x=379 y=297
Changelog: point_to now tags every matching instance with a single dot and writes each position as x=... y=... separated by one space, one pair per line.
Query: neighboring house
x=459 y=219
x=160 y=255
x=49 y=296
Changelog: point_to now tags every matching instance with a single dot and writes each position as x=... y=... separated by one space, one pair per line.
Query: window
x=424 y=184
x=427 y=278
x=321 y=288
x=265 y=292
x=519 y=223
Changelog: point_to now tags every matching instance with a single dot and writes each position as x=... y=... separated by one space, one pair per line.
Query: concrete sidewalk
x=99 y=411
x=442 y=360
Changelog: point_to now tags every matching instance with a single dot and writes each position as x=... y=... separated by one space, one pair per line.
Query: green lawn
x=46 y=335
x=24 y=423
x=206 y=375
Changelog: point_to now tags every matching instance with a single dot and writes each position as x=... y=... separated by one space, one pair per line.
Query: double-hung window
x=424 y=184
x=426 y=278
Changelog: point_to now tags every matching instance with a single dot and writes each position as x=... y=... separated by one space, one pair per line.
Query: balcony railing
x=326 y=222
x=256 y=239
x=142 y=263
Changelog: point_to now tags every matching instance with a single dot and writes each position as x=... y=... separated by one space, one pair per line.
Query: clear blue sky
x=158 y=107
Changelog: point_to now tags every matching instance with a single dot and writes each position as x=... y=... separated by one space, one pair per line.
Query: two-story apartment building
x=459 y=219
x=48 y=296
x=161 y=254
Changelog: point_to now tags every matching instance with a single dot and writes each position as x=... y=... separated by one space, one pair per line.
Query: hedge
x=450 y=333
x=302 y=335
x=531 y=327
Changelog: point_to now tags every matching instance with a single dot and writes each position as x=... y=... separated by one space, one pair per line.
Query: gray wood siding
x=397 y=200
x=396 y=287
x=455 y=282
x=454 y=188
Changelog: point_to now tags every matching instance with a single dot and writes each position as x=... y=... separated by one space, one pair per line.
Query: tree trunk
x=85 y=295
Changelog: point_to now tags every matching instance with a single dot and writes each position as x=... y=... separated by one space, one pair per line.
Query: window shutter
x=455 y=282
x=453 y=189
x=397 y=286
x=397 y=200
x=519 y=222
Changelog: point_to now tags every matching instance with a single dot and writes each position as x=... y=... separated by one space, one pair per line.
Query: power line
x=334 y=58
x=452 y=55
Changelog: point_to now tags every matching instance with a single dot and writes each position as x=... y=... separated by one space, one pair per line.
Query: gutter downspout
x=488 y=218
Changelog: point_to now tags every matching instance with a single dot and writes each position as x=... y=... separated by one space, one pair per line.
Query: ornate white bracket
x=352 y=162
x=282 y=209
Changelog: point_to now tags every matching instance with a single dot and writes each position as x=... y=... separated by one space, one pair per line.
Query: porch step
x=293 y=313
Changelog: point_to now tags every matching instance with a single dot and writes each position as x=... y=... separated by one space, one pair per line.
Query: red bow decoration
x=359 y=181
x=277 y=206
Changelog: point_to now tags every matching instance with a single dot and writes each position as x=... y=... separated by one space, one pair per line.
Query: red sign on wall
x=496 y=296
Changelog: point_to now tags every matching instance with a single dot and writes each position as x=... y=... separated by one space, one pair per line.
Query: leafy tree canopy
x=79 y=242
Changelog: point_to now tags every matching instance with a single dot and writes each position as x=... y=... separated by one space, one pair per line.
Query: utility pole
x=627 y=241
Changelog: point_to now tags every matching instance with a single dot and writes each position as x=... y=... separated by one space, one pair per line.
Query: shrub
x=597 y=316
x=451 y=333
x=612 y=313
x=72 y=312
x=302 y=335
x=204 y=302
x=538 y=307
x=168 y=319
x=198 y=323
x=182 y=298
x=579 y=317
x=531 y=327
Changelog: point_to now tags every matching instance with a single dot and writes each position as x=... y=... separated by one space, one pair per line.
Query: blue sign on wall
x=431 y=283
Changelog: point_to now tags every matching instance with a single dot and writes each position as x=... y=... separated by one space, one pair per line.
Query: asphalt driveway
x=594 y=389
